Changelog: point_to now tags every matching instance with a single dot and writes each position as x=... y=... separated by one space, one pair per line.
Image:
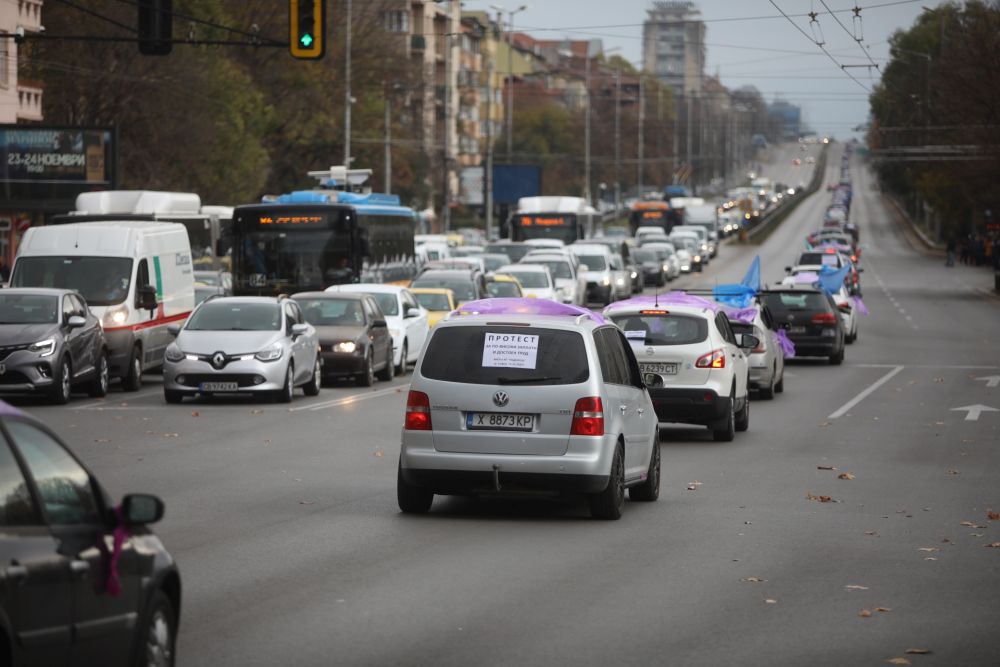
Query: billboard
x=513 y=181
x=471 y=186
x=31 y=154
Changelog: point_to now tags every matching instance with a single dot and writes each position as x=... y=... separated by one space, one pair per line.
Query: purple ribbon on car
x=112 y=582
x=523 y=306
x=785 y=343
x=665 y=300
x=860 y=305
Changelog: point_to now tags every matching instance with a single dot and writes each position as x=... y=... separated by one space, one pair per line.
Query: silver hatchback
x=523 y=396
x=237 y=345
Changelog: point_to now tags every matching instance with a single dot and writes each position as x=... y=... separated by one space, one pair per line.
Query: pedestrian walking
x=952 y=244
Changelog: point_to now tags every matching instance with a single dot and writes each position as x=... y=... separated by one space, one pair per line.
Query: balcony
x=29 y=14
x=29 y=101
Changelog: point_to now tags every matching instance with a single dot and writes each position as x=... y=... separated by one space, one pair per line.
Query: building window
x=397 y=21
x=4 y=61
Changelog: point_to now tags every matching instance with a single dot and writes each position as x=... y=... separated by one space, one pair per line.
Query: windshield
x=516 y=251
x=546 y=356
x=303 y=259
x=235 y=316
x=781 y=303
x=593 y=262
x=531 y=279
x=465 y=290
x=28 y=309
x=557 y=268
x=494 y=263
x=501 y=288
x=662 y=329
x=103 y=281
x=387 y=302
x=332 y=312
x=643 y=255
x=208 y=278
x=433 y=301
x=823 y=258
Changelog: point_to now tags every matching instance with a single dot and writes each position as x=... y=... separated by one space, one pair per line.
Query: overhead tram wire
x=828 y=54
x=850 y=34
x=253 y=36
x=100 y=16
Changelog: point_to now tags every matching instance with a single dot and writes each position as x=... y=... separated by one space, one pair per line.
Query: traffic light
x=307 y=21
x=156 y=27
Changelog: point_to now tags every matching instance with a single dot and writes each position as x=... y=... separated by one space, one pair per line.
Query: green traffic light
x=306 y=40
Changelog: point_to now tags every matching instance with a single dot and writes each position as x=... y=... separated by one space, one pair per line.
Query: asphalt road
x=292 y=550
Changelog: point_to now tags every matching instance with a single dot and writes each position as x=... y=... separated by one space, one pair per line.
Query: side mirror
x=413 y=312
x=147 y=297
x=299 y=329
x=749 y=341
x=380 y=324
x=141 y=508
x=173 y=329
x=76 y=322
x=652 y=380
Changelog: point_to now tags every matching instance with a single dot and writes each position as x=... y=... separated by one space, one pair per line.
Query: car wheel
x=780 y=387
x=742 y=421
x=838 y=358
x=726 y=432
x=315 y=382
x=411 y=499
x=158 y=635
x=99 y=385
x=367 y=376
x=132 y=380
x=172 y=397
x=610 y=503
x=63 y=385
x=288 y=389
x=389 y=371
x=649 y=490
x=401 y=369
x=767 y=393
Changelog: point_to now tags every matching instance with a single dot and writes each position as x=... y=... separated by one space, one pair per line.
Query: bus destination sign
x=543 y=221
x=290 y=220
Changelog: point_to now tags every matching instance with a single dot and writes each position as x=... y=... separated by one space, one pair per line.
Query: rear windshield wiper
x=542 y=378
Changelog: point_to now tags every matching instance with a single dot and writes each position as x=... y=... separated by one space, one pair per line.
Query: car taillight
x=714 y=359
x=418 y=412
x=824 y=318
x=588 y=417
x=844 y=307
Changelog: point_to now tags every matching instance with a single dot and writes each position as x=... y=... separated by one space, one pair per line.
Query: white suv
x=528 y=396
x=696 y=368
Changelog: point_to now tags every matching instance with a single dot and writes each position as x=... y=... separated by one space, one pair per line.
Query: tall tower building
x=673 y=46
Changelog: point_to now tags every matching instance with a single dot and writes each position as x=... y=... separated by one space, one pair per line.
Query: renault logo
x=650 y=351
x=218 y=359
x=501 y=399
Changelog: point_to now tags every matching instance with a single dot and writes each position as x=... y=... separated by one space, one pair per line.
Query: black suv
x=82 y=581
x=810 y=317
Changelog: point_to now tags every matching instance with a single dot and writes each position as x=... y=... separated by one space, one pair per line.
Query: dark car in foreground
x=49 y=344
x=353 y=335
x=82 y=581
x=811 y=318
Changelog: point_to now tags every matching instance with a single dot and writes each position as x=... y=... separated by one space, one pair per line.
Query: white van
x=136 y=276
x=705 y=244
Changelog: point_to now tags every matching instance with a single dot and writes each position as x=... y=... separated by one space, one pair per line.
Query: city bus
x=567 y=219
x=209 y=228
x=652 y=214
x=312 y=239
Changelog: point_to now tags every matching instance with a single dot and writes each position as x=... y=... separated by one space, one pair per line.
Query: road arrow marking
x=974 y=411
x=991 y=381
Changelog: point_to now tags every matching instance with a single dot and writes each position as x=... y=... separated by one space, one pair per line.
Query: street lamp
x=510 y=74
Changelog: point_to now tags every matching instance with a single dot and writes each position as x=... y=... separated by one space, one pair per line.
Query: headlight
x=115 y=317
x=634 y=275
x=345 y=346
x=270 y=354
x=43 y=348
x=173 y=353
x=666 y=267
x=619 y=281
x=605 y=281
x=697 y=258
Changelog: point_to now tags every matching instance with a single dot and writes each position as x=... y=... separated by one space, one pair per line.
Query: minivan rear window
x=667 y=329
x=456 y=354
x=781 y=303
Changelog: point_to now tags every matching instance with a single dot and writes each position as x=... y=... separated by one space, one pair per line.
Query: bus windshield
x=103 y=281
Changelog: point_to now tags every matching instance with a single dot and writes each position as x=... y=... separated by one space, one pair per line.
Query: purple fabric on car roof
x=664 y=300
x=744 y=315
x=524 y=306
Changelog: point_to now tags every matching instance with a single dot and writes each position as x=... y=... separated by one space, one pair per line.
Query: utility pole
x=618 y=138
x=641 y=148
x=586 y=133
x=387 y=121
x=446 y=163
x=348 y=98
x=510 y=75
x=488 y=169
x=687 y=143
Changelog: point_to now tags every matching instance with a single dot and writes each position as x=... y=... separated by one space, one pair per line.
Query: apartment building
x=673 y=46
x=20 y=99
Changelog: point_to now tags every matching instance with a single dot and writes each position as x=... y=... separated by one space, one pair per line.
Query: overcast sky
x=744 y=44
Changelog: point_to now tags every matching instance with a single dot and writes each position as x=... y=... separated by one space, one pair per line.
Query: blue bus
x=311 y=239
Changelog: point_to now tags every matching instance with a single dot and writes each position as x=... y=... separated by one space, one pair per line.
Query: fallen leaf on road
x=883 y=609
x=976 y=534
x=824 y=424
x=845 y=475
x=864 y=613
x=256 y=412
x=307 y=502
x=945 y=540
x=927 y=549
x=992 y=516
x=102 y=440
x=970 y=524
x=171 y=435
x=856 y=587
x=753 y=580
x=939 y=423
x=898 y=661
x=992 y=545
x=379 y=453
x=821 y=499
x=952 y=471
x=917 y=651
x=693 y=486
x=399 y=391
x=871 y=532
x=771 y=601
x=825 y=468
x=267 y=442
x=939 y=380
x=930 y=558
x=195 y=414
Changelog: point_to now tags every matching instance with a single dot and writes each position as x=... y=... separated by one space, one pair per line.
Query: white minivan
x=135 y=275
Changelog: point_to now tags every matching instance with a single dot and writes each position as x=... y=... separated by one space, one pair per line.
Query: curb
x=921 y=242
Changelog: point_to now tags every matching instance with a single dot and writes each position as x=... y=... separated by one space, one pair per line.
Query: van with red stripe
x=136 y=276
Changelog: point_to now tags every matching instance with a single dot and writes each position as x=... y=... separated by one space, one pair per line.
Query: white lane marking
x=991 y=381
x=932 y=366
x=114 y=400
x=352 y=398
x=973 y=411
x=842 y=410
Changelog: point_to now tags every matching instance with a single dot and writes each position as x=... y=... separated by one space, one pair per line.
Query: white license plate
x=499 y=421
x=796 y=329
x=219 y=386
x=662 y=369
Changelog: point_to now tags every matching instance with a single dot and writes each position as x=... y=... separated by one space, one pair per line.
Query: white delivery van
x=707 y=216
x=136 y=277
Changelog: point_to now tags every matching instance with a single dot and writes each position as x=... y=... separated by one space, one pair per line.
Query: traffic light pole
x=348 y=98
